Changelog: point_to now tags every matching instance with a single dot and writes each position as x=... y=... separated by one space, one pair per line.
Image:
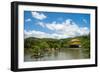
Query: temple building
x=75 y=43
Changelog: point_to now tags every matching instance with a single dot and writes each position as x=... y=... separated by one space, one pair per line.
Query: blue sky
x=55 y=24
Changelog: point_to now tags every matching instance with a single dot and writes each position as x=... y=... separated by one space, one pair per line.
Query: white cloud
x=41 y=24
x=27 y=20
x=68 y=28
x=65 y=29
x=85 y=21
x=40 y=34
x=38 y=15
x=54 y=26
x=68 y=21
x=34 y=33
x=84 y=30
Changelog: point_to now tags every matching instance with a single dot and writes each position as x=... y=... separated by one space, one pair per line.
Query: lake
x=63 y=54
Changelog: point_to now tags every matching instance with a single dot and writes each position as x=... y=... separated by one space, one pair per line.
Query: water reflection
x=63 y=54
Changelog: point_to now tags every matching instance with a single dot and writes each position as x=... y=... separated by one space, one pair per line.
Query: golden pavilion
x=75 y=43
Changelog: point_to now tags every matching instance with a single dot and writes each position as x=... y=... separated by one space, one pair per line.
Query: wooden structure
x=75 y=43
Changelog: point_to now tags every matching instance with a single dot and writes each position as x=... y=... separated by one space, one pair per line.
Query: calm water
x=64 y=54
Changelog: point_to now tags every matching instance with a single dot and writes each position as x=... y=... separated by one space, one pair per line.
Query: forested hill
x=55 y=43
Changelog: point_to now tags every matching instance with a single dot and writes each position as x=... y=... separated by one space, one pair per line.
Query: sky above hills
x=55 y=25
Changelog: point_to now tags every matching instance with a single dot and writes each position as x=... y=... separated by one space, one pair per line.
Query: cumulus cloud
x=41 y=24
x=27 y=20
x=34 y=33
x=66 y=29
x=39 y=16
x=40 y=34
